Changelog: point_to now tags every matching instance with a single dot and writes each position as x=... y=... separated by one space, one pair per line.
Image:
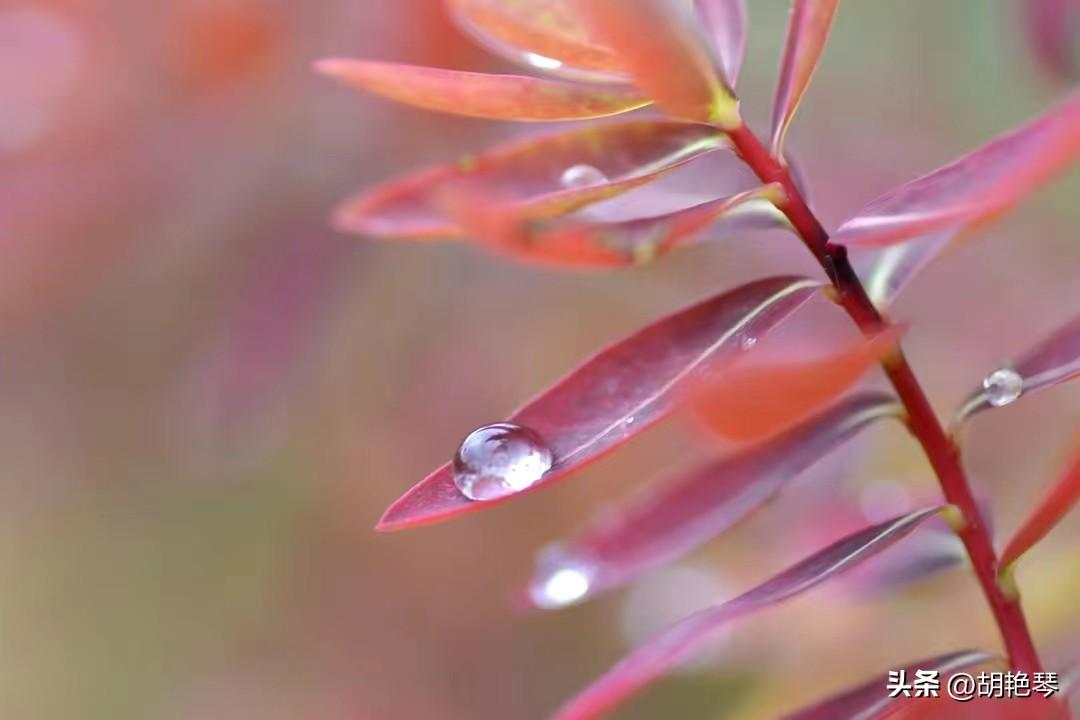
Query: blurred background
x=208 y=397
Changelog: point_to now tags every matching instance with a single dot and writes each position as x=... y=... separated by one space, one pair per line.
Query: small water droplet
x=582 y=176
x=499 y=460
x=562 y=579
x=1003 y=387
x=748 y=342
x=629 y=420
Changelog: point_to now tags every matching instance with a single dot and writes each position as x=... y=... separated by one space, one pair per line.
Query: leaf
x=608 y=244
x=808 y=29
x=726 y=22
x=871 y=701
x=695 y=505
x=496 y=97
x=656 y=40
x=890 y=269
x=1054 y=360
x=974 y=188
x=750 y=402
x=546 y=35
x=623 y=389
x=1053 y=29
x=1057 y=503
x=529 y=175
x=672 y=646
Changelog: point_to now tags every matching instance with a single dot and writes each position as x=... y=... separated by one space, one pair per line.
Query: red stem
x=940 y=450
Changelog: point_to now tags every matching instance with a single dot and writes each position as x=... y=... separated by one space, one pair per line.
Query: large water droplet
x=576 y=177
x=499 y=460
x=1003 y=387
x=561 y=579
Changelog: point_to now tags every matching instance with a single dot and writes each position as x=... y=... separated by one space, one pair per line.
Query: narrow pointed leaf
x=1057 y=503
x=546 y=35
x=808 y=29
x=887 y=271
x=611 y=244
x=725 y=21
x=871 y=701
x=974 y=188
x=671 y=647
x=1054 y=360
x=658 y=42
x=496 y=97
x=751 y=402
x=622 y=390
x=692 y=507
x=531 y=176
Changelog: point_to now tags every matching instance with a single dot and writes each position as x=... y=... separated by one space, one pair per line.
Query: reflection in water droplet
x=542 y=61
x=1003 y=387
x=582 y=176
x=499 y=460
x=560 y=579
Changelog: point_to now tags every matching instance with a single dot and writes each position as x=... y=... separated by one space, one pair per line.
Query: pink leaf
x=608 y=244
x=886 y=272
x=622 y=390
x=1053 y=28
x=656 y=657
x=496 y=97
x=871 y=701
x=1052 y=361
x=753 y=401
x=545 y=35
x=533 y=176
x=726 y=22
x=1057 y=503
x=673 y=518
x=657 y=41
x=808 y=30
x=974 y=188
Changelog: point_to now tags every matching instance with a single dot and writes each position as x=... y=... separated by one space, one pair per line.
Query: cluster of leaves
x=543 y=200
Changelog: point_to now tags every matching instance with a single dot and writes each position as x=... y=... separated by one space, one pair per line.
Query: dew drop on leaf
x=499 y=460
x=582 y=176
x=561 y=579
x=1003 y=387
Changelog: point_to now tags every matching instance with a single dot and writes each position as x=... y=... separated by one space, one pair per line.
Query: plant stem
x=939 y=447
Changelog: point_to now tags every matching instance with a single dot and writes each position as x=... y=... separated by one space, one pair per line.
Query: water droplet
x=499 y=460
x=561 y=579
x=629 y=420
x=542 y=61
x=582 y=176
x=1003 y=387
x=748 y=342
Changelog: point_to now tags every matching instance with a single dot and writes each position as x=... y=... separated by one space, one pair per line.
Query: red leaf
x=543 y=34
x=530 y=176
x=726 y=23
x=673 y=518
x=496 y=97
x=807 y=32
x=1053 y=28
x=657 y=42
x=974 y=188
x=1047 y=514
x=665 y=651
x=612 y=243
x=622 y=390
x=890 y=269
x=750 y=402
x=1054 y=360
x=871 y=701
